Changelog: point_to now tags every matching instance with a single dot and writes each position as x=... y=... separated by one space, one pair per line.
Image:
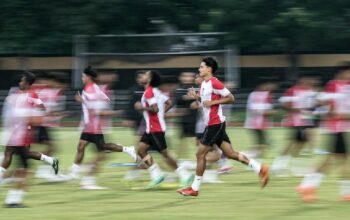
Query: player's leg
x=14 y=196
x=54 y=162
x=6 y=162
x=76 y=167
x=120 y=148
x=260 y=169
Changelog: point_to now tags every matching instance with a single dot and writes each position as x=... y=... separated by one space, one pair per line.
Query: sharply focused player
x=212 y=95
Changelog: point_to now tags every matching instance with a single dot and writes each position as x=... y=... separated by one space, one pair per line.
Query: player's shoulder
x=149 y=92
x=90 y=88
x=33 y=94
x=216 y=83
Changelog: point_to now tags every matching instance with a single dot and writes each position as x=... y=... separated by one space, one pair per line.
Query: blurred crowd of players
x=37 y=105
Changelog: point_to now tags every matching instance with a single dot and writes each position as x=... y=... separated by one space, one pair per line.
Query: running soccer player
x=212 y=95
x=259 y=108
x=23 y=103
x=154 y=105
x=299 y=100
x=93 y=101
x=336 y=97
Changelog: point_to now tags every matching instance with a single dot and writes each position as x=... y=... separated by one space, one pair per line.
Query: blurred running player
x=50 y=92
x=259 y=108
x=336 y=97
x=154 y=105
x=299 y=100
x=22 y=104
x=212 y=95
x=94 y=101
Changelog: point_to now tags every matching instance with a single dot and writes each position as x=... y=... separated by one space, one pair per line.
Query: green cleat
x=155 y=183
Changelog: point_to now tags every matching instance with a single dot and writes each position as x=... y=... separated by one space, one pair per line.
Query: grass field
x=239 y=197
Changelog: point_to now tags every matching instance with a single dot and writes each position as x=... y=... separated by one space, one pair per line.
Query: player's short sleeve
x=330 y=87
x=219 y=88
x=34 y=99
x=329 y=92
x=288 y=96
x=149 y=96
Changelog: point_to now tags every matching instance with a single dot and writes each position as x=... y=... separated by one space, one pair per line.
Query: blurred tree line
x=255 y=26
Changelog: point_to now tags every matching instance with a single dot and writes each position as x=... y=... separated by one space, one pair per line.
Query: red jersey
x=23 y=105
x=155 y=122
x=259 y=102
x=213 y=89
x=337 y=92
x=94 y=101
x=302 y=99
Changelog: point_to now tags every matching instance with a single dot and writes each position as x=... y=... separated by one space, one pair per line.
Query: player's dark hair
x=29 y=77
x=90 y=72
x=155 y=78
x=211 y=62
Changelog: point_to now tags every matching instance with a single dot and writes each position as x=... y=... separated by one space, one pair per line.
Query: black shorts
x=260 y=136
x=41 y=134
x=97 y=139
x=215 y=134
x=339 y=143
x=155 y=140
x=300 y=134
x=188 y=129
x=21 y=152
x=199 y=136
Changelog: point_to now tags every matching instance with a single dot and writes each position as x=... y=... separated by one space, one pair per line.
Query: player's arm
x=168 y=105
x=219 y=89
x=229 y=99
x=153 y=108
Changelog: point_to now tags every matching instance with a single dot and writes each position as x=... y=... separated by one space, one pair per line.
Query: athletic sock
x=256 y=166
x=280 y=162
x=47 y=159
x=155 y=171
x=130 y=151
x=312 y=180
x=182 y=173
x=75 y=170
x=196 y=183
x=344 y=187
x=2 y=171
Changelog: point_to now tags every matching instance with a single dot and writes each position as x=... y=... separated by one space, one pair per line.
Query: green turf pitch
x=239 y=197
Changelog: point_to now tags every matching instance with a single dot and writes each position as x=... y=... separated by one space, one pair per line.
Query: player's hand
x=191 y=93
x=138 y=106
x=207 y=103
x=78 y=97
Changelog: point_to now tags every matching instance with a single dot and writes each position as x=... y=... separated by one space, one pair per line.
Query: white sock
x=280 y=162
x=47 y=159
x=2 y=171
x=196 y=183
x=312 y=180
x=14 y=196
x=256 y=166
x=130 y=151
x=155 y=171
x=182 y=173
x=344 y=187
x=75 y=169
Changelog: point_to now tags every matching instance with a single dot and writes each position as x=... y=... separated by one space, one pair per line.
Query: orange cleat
x=308 y=194
x=264 y=175
x=345 y=198
x=187 y=192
